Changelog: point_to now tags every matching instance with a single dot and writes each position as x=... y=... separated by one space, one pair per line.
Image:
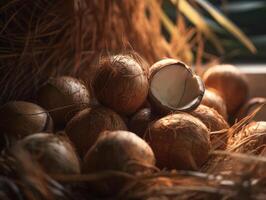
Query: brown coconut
x=119 y=151
x=140 y=121
x=214 y=122
x=121 y=83
x=63 y=96
x=84 y=128
x=174 y=87
x=230 y=83
x=179 y=141
x=213 y=100
x=250 y=106
x=19 y=119
x=54 y=153
x=251 y=139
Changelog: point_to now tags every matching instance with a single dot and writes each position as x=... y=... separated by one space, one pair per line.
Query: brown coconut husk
x=44 y=38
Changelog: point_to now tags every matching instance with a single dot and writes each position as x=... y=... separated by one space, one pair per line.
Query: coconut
x=84 y=128
x=214 y=122
x=119 y=151
x=54 y=153
x=230 y=83
x=251 y=106
x=213 y=100
x=63 y=97
x=121 y=83
x=251 y=139
x=140 y=121
x=19 y=119
x=174 y=87
x=179 y=141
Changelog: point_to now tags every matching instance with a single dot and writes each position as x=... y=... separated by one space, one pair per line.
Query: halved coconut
x=174 y=86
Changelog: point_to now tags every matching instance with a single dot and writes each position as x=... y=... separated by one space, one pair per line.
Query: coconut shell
x=54 y=153
x=249 y=107
x=63 y=97
x=84 y=128
x=251 y=139
x=179 y=141
x=140 y=121
x=192 y=85
x=230 y=83
x=213 y=100
x=121 y=83
x=119 y=151
x=214 y=122
x=19 y=119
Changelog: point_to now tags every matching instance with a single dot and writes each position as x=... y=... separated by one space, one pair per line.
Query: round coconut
x=119 y=151
x=213 y=100
x=174 y=87
x=19 y=119
x=251 y=139
x=63 y=97
x=230 y=83
x=84 y=128
x=140 y=121
x=215 y=123
x=250 y=106
x=179 y=141
x=54 y=153
x=121 y=83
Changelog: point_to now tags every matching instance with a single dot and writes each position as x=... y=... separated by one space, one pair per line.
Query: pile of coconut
x=134 y=120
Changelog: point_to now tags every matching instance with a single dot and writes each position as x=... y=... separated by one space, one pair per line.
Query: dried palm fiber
x=45 y=38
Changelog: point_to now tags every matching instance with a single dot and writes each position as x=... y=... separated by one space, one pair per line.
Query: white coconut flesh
x=176 y=87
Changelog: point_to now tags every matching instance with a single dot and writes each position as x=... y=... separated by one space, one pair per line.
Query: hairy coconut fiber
x=43 y=38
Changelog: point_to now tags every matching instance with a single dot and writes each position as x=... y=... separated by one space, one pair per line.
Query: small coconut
x=140 y=121
x=84 y=128
x=251 y=139
x=179 y=141
x=119 y=151
x=19 y=119
x=250 y=106
x=214 y=122
x=230 y=83
x=54 y=153
x=121 y=83
x=213 y=100
x=63 y=96
x=174 y=87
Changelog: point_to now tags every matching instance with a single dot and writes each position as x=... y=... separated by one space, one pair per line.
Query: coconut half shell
x=19 y=119
x=174 y=87
x=230 y=83
x=63 y=97
x=179 y=141
x=84 y=128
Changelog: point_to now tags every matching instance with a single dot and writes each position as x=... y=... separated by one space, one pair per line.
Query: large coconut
x=121 y=83
x=174 y=87
x=230 y=83
x=179 y=141
x=214 y=122
x=213 y=100
x=54 y=153
x=63 y=97
x=119 y=151
x=84 y=128
x=19 y=119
